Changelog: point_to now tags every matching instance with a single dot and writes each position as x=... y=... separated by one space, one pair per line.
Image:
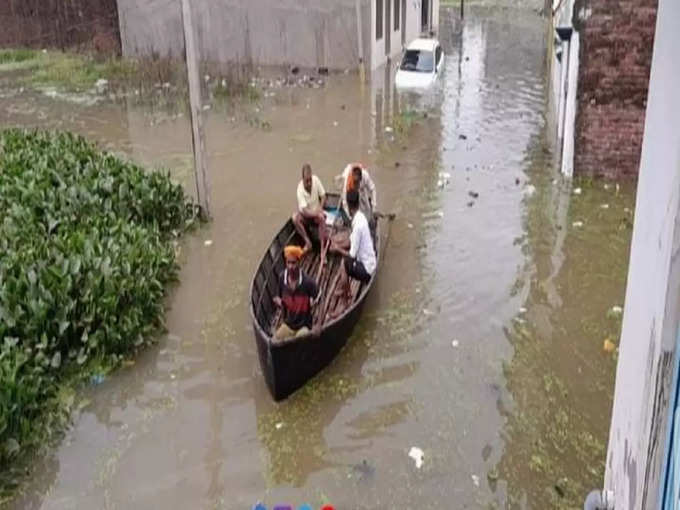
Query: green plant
x=8 y=56
x=86 y=251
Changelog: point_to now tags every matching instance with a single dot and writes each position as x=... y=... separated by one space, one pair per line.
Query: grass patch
x=86 y=253
x=15 y=56
x=227 y=91
x=80 y=72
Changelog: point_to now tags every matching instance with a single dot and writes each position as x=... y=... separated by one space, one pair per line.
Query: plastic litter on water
x=616 y=310
x=388 y=129
x=278 y=425
x=530 y=190
x=207 y=242
x=522 y=310
x=97 y=379
x=577 y=191
x=604 y=206
x=608 y=345
x=417 y=455
x=475 y=480
x=577 y=224
x=455 y=343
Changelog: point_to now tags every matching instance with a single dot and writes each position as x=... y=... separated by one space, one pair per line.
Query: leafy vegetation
x=86 y=251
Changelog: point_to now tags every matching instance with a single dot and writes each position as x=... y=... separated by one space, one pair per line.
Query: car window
x=417 y=60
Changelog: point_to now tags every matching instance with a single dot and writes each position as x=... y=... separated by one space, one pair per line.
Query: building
x=601 y=52
x=643 y=458
x=306 y=33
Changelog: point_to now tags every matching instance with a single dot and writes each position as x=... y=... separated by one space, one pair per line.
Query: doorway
x=424 y=15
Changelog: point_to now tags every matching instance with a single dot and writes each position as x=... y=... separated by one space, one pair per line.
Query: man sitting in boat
x=311 y=197
x=356 y=177
x=360 y=261
x=296 y=293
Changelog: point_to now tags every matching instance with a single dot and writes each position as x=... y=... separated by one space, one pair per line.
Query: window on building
x=397 y=21
x=379 y=19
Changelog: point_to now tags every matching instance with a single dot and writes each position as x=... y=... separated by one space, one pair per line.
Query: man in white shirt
x=356 y=177
x=311 y=198
x=360 y=261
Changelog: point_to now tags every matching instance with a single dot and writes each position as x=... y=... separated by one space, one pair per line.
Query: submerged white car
x=421 y=64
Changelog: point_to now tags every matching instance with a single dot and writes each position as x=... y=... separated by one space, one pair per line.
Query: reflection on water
x=481 y=342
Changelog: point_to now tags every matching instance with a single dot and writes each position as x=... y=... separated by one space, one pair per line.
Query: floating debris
x=335 y=123
x=97 y=379
x=101 y=85
x=388 y=129
x=417 y=455
x=444 y=175
x=427 y=312
x=475 y=480
x=278 y=425
x=577 y=224
x=530 y=190
x=577 y=191
x=409 y=225
x=455 y=343
x=608 y=345
x=617 y=310
x=522 y=310
x=207 y=242
x=434 y=214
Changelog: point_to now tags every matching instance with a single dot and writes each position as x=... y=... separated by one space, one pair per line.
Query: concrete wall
x=638 y=435
x=412 y=26
x=40 y=24
x=615 y=56
x=309 y=33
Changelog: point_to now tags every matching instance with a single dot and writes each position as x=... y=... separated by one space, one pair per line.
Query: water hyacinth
x=86 y=251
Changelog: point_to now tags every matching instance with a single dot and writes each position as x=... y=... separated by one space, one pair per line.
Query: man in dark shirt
x=296 y=293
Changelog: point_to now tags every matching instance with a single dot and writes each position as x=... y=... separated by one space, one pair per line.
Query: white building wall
x=649 y=339
x=412 y=24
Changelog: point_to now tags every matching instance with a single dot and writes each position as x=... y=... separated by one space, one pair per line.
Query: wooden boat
x=289 y=364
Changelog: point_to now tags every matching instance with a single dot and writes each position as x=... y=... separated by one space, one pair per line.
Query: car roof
x=423 y=44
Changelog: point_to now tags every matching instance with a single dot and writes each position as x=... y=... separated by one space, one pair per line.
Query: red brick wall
x=60 y=23
x=615 y=57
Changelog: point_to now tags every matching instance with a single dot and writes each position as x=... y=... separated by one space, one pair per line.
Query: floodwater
x=481 y=343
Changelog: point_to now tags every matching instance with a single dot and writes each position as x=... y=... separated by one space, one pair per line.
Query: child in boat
x=296 y=294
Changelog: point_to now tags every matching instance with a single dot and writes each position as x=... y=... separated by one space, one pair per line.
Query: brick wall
x=59 y=23
x=616 y=54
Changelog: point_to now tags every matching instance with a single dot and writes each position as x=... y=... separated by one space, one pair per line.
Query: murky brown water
x=514 y=415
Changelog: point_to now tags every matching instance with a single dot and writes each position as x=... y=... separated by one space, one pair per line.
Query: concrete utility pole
x=360 y=40
x=197 y=137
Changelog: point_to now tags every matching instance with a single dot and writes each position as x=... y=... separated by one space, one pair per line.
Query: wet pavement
x=481 y=343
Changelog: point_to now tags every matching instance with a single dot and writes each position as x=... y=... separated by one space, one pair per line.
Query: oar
x=324 y=250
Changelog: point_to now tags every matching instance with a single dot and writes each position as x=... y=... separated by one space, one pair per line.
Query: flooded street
x=481 y=343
